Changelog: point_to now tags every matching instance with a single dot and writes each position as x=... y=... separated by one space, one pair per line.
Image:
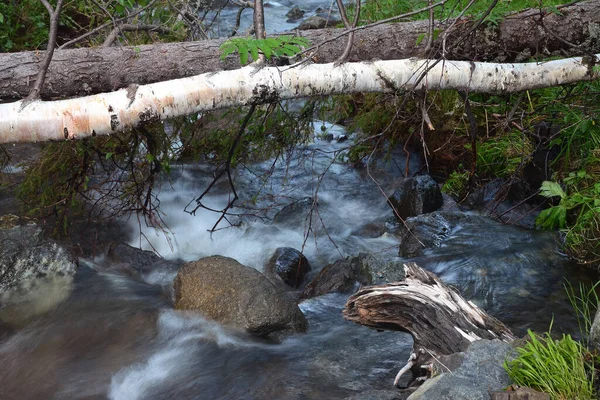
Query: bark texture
x=107 y=113
x=87 y=71
x=437 y=317
x=440 y=321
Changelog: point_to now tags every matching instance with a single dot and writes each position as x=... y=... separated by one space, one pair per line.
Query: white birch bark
x=108 y=113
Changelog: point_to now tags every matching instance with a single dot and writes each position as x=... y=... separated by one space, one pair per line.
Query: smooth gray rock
x=416 y=196
x=480 y=373
x=289 y=265
x=238 y=296
x=26 y=255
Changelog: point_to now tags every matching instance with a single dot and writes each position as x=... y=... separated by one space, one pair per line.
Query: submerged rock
x=26 y=255
x=425 y=231
x=289 y=265
x=294 y=14
x=344 y=274
x=295 y=212
x=317 y=22
x=238 y=296
x=472 y=376
x=137 y=262
x=415 y=196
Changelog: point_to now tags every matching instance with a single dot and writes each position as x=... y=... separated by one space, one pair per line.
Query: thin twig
x=112 y=36
x=106 y=25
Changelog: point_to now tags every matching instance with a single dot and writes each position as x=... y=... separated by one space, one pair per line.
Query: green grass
x=556 y=367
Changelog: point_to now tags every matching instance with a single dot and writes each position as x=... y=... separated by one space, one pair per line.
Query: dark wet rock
x=237 y=296
x=341 y=138
x=295 y=14
x=507 y=202
x=288 y=265
x=426 y=231
x=450 y=205
x=317 y=22
x=344 y=274
x=26 y=255
x=294 y=212
x=472 y=376
x=415 y=196
x=135 y=262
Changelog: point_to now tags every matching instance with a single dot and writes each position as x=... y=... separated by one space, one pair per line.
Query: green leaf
x=420 y=39
x=226 y=49
x=300 y=41
x=552 y=189
x=1 y=18
x=243 y=50
x=265 y=48
x=252 y=45
x=108 y=155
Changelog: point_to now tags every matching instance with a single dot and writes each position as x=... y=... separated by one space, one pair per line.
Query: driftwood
x=84 y=71
x=440 y=321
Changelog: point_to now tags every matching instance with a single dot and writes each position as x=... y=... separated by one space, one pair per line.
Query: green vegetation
x=500 y=156
x=24 y=24
x=284 y=45
x=564 y=368
x=456 y=184
x=376 y=10
x=584 y=303
x=561 y=368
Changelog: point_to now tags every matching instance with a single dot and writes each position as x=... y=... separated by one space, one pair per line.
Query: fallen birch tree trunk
x=108 y=113
x=440 y=321
x=85 y=71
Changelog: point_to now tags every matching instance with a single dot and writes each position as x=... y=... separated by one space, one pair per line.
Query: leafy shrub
x=577 y=213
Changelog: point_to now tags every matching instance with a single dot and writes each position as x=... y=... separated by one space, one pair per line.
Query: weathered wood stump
x=439 y=319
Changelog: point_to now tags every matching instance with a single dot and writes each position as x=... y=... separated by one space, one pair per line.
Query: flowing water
x=110 y=335
x=107 y=335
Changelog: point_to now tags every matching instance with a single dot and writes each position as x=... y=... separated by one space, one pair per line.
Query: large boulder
x=237 y=296
x=344 y=274
x=471 y=375
x=415 y=196
x=289 y=265
x=26 y=255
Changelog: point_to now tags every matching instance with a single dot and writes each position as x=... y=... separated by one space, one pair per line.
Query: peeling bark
x=86 y=71
x=113 y=112
x=440 y=321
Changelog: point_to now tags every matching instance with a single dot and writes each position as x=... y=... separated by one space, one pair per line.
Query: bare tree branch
x=54 y=17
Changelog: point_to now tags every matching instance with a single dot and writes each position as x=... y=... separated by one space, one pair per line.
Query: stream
x=109 y=335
